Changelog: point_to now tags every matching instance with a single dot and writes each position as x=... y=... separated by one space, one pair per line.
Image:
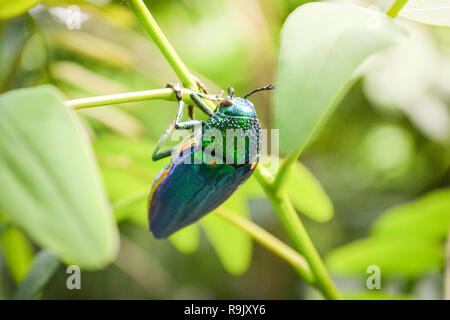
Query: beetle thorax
x=241 y=136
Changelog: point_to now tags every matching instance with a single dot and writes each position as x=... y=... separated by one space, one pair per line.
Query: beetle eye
x=226 y=103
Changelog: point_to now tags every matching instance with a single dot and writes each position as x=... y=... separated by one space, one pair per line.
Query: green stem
x=396 y=7
x=156 y=94
x=297 y=232
x=270 y=242
x=158 y=37
x=149 y=23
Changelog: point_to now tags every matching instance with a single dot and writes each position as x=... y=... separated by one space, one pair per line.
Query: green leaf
x=307 y=195
x=50 y=184
x=428 y=217
x=232 y=245
x=322 y=44
x=9 y=9
x=401 y=256
x=44 y=266
x=17 y=252
x=431 y=12
x=187 y=239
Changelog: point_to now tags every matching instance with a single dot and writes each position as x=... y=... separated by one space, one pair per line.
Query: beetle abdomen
x=189 y=191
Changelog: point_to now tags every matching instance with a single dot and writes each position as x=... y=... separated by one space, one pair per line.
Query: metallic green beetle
x=208 y=166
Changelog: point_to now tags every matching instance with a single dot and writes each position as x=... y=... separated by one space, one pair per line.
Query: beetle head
x=236 y=107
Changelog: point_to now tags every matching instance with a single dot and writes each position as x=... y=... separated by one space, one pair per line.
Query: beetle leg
x=201 y=104
x=191 y=124
x=166 y=153
x=200 y=84
x=163 y=154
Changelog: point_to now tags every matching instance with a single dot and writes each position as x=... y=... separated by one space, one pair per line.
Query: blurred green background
x=386 y=145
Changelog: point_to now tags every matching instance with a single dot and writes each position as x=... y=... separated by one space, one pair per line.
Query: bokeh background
x=387 y=143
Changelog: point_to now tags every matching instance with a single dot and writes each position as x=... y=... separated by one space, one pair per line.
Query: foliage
x=53 y=197
x=53 y=189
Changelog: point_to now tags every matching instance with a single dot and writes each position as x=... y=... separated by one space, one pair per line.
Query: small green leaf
x=233 y=246
x=50 y=184
x=17 y=252
x=322 y=44
x=9 y=9
x=400 y=256
x=307 y=195
x=187 y=239
x=428 y=217
x=44 y=266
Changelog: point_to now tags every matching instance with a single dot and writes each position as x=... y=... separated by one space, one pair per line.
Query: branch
x=158 y=37
x=156 y=94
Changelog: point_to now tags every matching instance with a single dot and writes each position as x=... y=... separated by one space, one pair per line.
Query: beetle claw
x=176 y=89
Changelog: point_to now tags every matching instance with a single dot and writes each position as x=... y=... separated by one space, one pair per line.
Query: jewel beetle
x=208 y=165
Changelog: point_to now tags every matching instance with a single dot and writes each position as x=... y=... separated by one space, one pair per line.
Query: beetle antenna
x=268 y=87
x=231 y=91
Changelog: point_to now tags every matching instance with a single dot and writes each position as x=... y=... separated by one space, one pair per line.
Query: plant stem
x=149 y=23
x=158 y=37
x=396 y=7
x=297 y=232
x=162 y=94
x=270 y=242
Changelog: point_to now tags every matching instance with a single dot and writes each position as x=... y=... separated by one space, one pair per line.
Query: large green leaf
x=50 y=184
x=9 y=9
x=428 y=217
x=400 y=256
x=322 y=44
